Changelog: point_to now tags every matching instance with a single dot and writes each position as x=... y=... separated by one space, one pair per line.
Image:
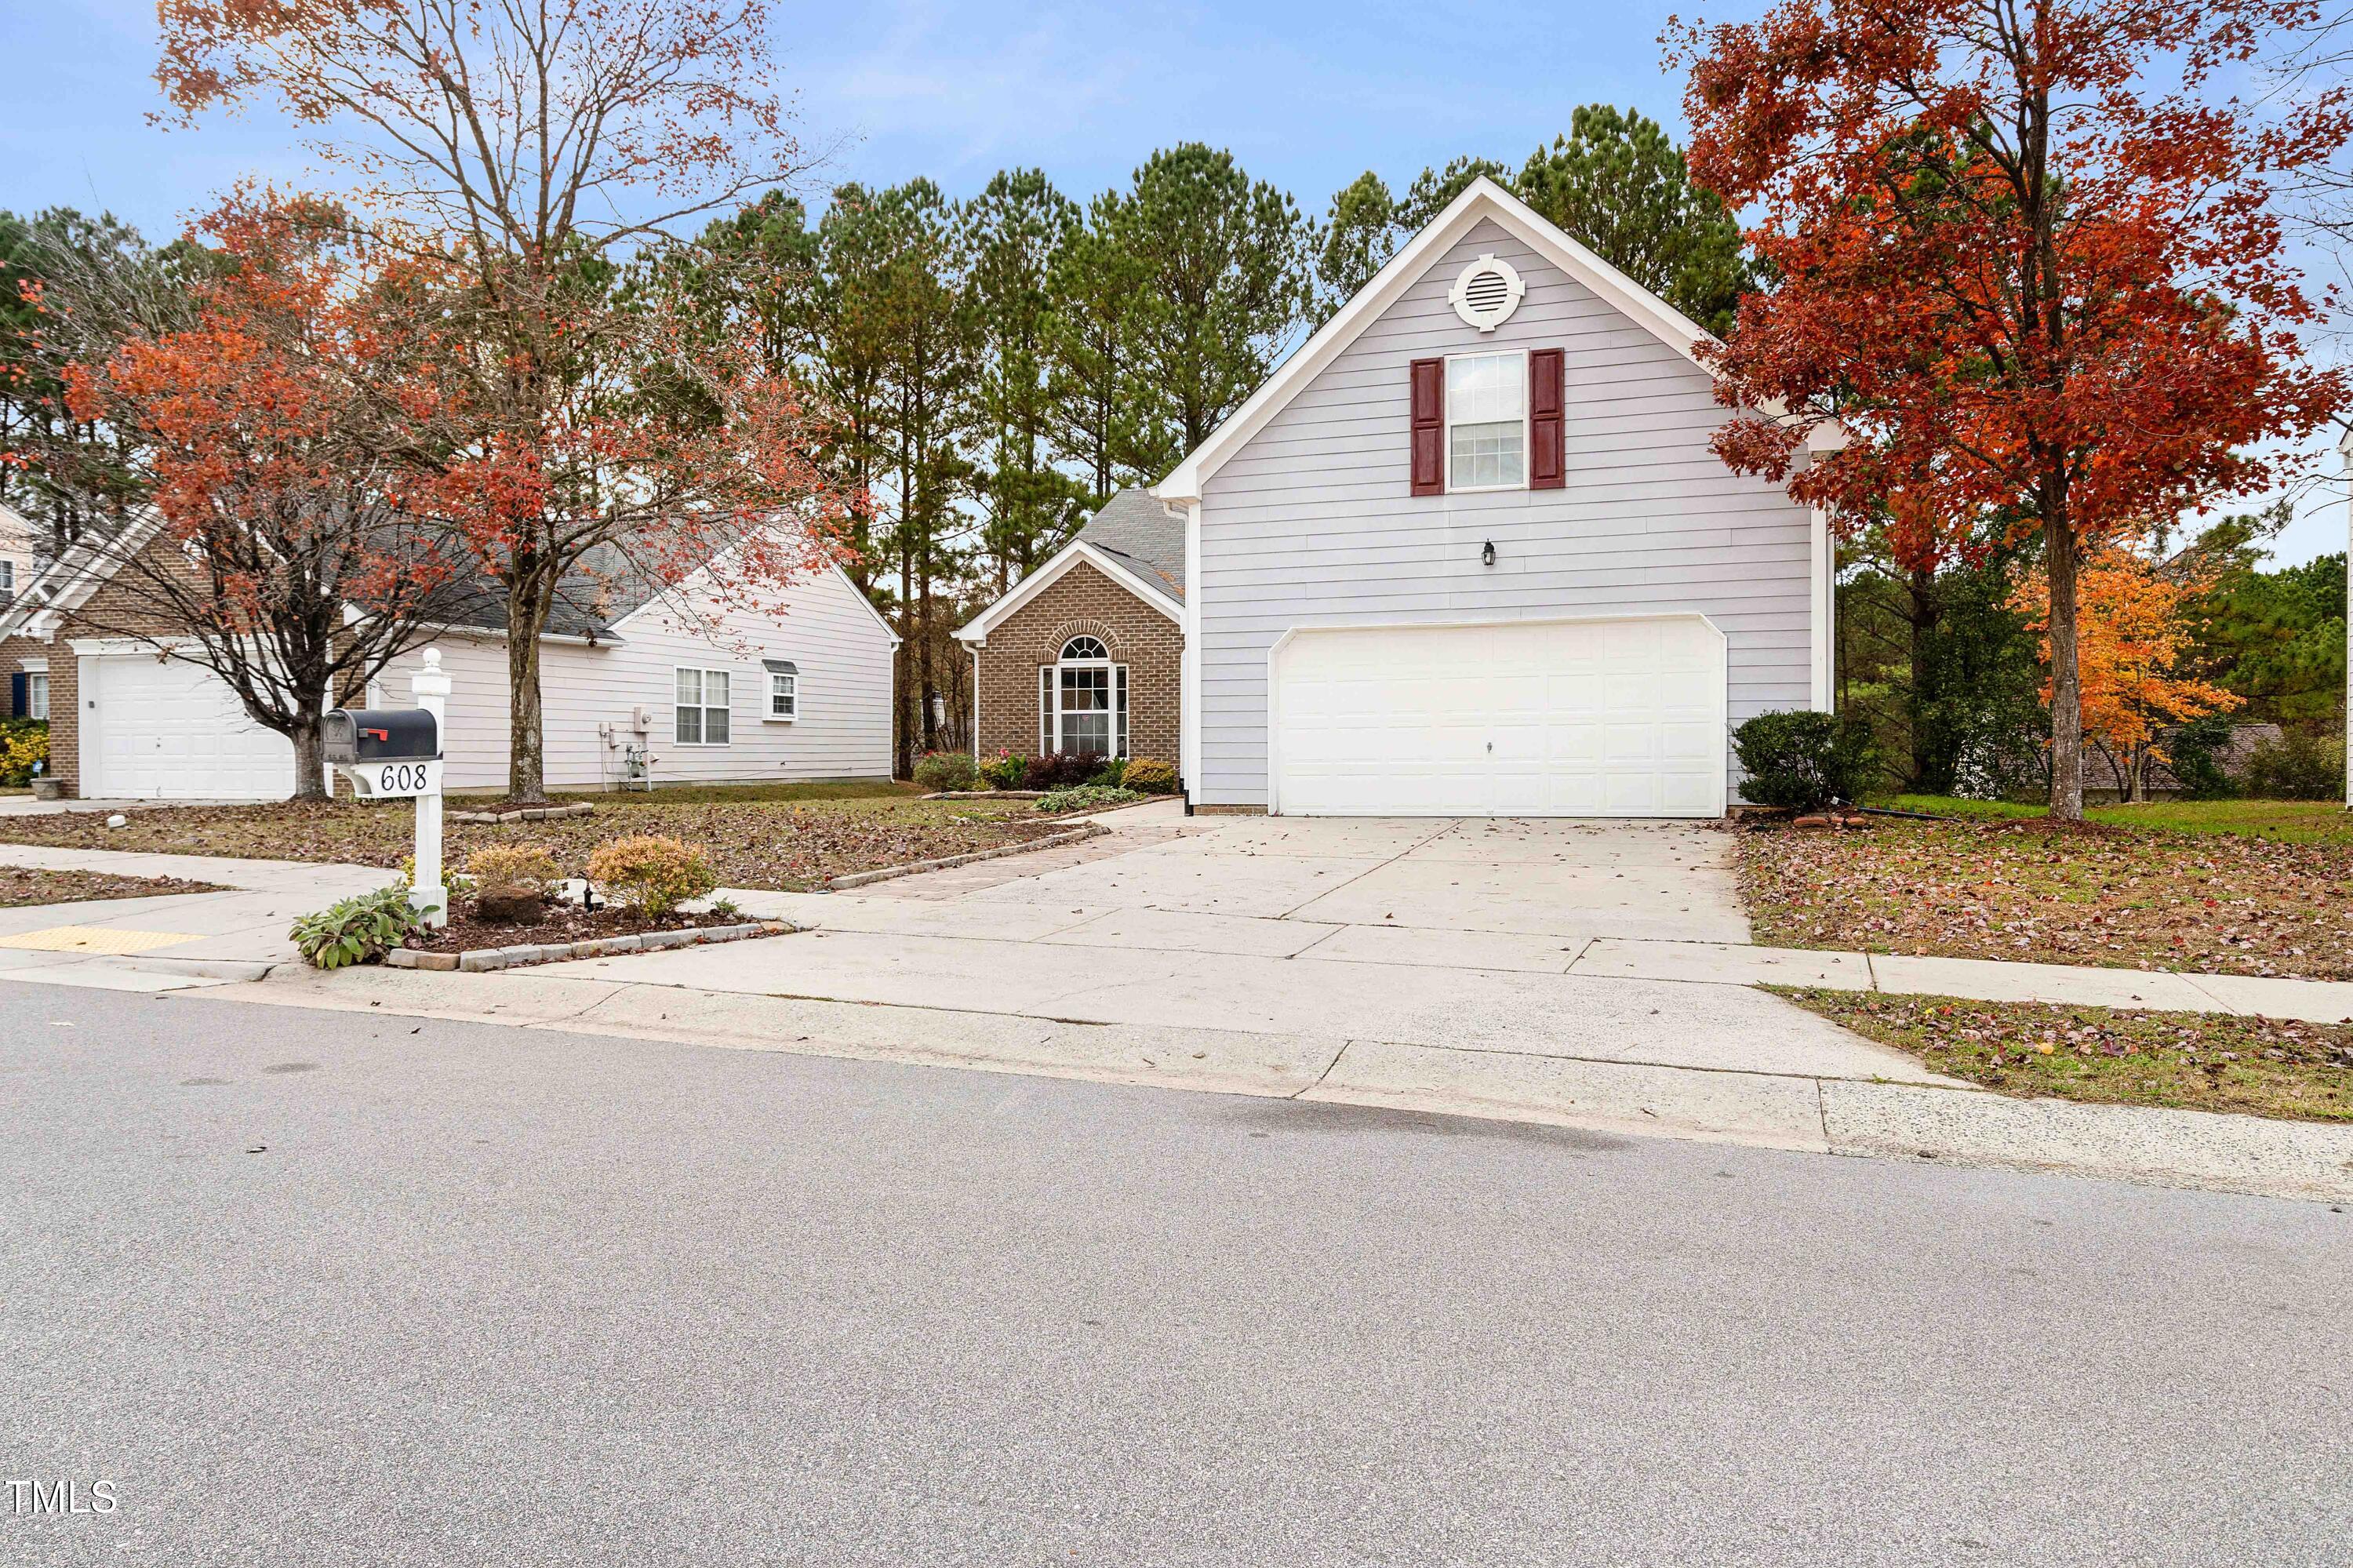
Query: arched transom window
x=1082 y=701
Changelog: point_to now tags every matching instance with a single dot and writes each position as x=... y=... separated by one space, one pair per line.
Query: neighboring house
x=1468 y=552
x=1085 y=654
x=635 y=685
x=19 y=553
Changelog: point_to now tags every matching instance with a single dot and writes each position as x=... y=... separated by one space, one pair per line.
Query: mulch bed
x=24 y=885
x=2228 y=903
x=788 y=846
x=2189 y=1061
x=559 y=923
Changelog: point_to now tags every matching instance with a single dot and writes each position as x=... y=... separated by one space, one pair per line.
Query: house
x=637 y=685
x=20 y=550
x=1085 y=654
x=1468 y=552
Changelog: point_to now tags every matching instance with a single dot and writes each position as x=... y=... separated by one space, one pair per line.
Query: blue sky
x=1307 y=95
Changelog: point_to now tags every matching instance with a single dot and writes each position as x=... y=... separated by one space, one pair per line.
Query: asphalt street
x=329 y=1289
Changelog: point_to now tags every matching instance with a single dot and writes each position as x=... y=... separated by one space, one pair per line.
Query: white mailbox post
x=396 y=754
x=431 y=689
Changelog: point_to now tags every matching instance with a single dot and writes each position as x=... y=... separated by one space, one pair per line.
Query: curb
x=1961 y=1125
x=850 y=879
x=479 y=961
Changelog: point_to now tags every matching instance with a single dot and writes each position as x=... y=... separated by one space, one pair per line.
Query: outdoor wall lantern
x=1487 y=554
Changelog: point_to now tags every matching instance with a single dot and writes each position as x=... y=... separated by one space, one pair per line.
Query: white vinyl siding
x=1313 y=522
x=842 y=730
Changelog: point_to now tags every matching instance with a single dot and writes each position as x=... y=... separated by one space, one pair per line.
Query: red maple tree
x=522 y=156
x=2024 y=258
x=254 y=406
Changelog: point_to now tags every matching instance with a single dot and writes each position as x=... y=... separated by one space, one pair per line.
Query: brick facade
x=1082 y=599
x=116 y=611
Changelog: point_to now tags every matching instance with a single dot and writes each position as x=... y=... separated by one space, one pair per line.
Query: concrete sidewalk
x=175 y=942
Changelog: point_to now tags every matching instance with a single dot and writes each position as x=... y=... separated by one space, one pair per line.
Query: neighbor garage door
x=172 y=731
x=1585 y=718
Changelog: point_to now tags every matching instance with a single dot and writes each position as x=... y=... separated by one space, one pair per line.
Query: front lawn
x=24 y=885
x=754 y=838
x=2261 y=890
x=2297 y=822
x=2190 y=1061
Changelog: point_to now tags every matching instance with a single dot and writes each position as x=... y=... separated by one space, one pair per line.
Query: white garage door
x=1586 y=718
x=172 y=731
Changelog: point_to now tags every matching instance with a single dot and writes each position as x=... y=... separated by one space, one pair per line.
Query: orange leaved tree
x=2132 y=640
x=523 y=155
x=253 y=407
x=2025 y=261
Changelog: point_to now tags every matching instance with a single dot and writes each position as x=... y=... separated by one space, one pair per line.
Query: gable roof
x=1134 y=540
x=604 y=588
x=1482 y=201
x=1144 y=534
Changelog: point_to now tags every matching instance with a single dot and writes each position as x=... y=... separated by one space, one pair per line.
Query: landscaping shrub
x=1059 y=769
x=358 y=931
x=1087 y=798
x=24 y=743
x=1151 y=776
x=457 y=885
x=1111 y=775
x=1803 y=760
x=526 y=866
x=2300 y=766
x=651 y=873
x=1006 y=770
x=2191 y=757
x=945 y=770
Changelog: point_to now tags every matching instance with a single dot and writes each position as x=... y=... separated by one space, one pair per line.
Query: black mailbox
x=353 y=736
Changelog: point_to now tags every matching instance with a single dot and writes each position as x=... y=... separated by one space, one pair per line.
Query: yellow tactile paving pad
x=94 y=940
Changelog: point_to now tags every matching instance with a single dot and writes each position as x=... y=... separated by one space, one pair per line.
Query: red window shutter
x=1547 y=433
x=1428 y=384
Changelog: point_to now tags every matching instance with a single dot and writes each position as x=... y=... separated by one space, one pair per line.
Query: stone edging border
x=985 y=795
x=477 y=960
x=850 y=879
x=525 y=813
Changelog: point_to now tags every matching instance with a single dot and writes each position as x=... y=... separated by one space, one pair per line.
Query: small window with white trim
x=702 y=708
x=37 y=695
x=1487 y=422
x=784 y=690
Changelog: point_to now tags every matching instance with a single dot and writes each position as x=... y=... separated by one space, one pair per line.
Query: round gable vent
x=1487 y=293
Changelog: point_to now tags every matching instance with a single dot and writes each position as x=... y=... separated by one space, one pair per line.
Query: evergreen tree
x=1618 y=184
x=1225 y=282
x=1106 y=416
x=1015 y=233
x=1354 y=241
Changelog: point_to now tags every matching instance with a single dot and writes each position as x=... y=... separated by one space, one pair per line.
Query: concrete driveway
x=1316 y=934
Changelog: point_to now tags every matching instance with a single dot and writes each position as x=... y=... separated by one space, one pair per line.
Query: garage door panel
x=171 y=730
x=1572 y=719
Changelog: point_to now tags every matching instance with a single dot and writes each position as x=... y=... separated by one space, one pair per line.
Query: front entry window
x=1082 y=701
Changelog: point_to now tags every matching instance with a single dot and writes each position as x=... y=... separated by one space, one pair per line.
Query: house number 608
x=401 y=777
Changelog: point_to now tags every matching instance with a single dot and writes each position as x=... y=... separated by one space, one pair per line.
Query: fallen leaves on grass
x=2193 y=1061
x=760 y=844
x=2232 y=904
x=23 y=884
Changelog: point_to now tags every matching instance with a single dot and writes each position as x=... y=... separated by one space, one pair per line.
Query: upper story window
x=701 y=708
x=1487 y=422
x=1085 y=648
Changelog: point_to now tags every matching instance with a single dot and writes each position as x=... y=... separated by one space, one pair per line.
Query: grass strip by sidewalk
x=2187 y=1061
x=24 y=884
